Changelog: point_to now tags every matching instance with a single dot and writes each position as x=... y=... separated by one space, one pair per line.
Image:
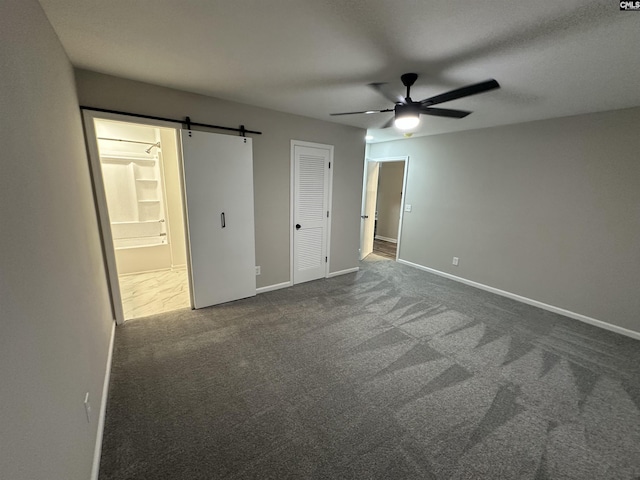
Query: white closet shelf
x=111 y=158
x=136 y=222
x=148 y=201
x=155 y=180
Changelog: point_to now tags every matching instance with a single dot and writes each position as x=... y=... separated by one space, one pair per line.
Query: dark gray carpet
x=388 y=373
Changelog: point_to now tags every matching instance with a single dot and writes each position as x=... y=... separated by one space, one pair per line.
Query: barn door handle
x=298 y=226
x=222 y=220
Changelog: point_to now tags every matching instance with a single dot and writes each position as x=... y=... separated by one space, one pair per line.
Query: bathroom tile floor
x=149 y=293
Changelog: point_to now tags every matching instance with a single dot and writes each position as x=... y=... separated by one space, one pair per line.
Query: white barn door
x=218 y=181
x=311 y=180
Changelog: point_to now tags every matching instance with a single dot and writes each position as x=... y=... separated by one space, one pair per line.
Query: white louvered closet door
x=311 y=198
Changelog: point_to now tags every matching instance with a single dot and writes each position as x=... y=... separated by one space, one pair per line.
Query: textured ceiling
x=313 y=57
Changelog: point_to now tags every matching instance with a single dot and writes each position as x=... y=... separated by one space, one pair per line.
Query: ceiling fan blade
x=461 y=92
x=389 y=122
x=383 y=90
x=367 y=112
x=443 y=112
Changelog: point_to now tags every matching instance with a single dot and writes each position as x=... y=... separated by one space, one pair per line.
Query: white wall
x=173 y=190
x=55 y=316
x=548 y=210
x=271 y=160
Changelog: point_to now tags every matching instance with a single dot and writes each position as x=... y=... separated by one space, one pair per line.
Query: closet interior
x=132 y=177
x=141 y=177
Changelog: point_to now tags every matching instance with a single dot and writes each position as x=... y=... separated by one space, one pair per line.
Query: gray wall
x=549 y=210
x=55 y=316
x=272 y=157
x=389 y=198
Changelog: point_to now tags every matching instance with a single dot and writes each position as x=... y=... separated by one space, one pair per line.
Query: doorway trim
x=402 y=158
x=292 y=199
x=100 y=196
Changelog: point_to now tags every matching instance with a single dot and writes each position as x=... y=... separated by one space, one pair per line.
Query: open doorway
x=388 y=205
x=384 y=185
x=138 y=167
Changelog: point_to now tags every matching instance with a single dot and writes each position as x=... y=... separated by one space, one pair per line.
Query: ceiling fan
x=407 y=111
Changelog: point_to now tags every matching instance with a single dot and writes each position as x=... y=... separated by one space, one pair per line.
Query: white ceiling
x=312 y=57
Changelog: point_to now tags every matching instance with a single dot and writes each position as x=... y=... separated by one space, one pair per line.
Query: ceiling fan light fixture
x=407 y=122
x=407 y=117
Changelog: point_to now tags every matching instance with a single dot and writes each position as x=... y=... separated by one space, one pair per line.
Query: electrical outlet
x=257 y=270
x=87 y=407
x=407 y=207
x=455 y=261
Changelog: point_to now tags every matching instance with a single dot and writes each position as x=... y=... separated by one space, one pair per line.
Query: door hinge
x=327 y=213
x=325 y=259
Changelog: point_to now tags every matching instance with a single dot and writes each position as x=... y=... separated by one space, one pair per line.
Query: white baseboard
x=343 y=272
x=529 y=301
x=97 y=452
x=270 y=288
x=278 y=286
x=386 y=239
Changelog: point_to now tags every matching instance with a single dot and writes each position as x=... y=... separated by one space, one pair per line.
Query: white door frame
x=367 y=218
x=88 y=117
x=405 y=159
x=300 y=143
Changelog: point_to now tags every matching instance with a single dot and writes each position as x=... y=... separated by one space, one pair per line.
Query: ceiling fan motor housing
x=407 y=110
x=407 y=116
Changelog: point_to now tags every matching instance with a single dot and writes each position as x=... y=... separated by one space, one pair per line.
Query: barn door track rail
x=186 y=122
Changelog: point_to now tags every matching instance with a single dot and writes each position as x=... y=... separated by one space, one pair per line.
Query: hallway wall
x=56 y=319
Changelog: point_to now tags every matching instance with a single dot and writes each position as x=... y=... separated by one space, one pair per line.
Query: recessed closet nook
x=141 y=177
